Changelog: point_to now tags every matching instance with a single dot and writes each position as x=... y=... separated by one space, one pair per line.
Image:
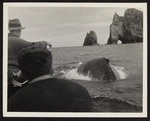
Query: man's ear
x=51 y=71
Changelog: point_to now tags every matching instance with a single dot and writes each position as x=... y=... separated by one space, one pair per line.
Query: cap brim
x=16 y=28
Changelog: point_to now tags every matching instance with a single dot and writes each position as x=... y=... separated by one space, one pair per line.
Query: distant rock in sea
x=90 y=39
x=127 y=29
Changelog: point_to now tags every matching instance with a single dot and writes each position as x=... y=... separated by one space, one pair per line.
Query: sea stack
x=127 y=29
x=90 y=39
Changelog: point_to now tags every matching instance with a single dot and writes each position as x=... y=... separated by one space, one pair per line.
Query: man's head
x=35 y=61
x=15 y=27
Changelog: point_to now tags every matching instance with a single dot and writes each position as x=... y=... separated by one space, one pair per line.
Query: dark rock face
x=127 y=29
x=90 y=39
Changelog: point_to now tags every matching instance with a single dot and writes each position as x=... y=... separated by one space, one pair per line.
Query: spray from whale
x=73 y=74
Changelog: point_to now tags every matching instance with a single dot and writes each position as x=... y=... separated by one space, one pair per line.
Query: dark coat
x=16 y=44
x=51 y=95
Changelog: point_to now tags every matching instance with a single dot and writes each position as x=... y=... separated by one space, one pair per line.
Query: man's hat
x=15 y=24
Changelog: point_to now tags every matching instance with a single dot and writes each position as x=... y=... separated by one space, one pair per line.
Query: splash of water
x=72 y=74
x=119 y=72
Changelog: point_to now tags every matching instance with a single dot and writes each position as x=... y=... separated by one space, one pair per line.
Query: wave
x=108 y=104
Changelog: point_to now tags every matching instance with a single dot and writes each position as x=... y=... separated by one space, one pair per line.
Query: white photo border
x=95 y=114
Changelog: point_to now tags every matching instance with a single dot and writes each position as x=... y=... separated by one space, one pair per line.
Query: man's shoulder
x=12 y=41
x=15 y=38
x=66 y=84
x=62 y=81
x=57 y=83
x=53 y=85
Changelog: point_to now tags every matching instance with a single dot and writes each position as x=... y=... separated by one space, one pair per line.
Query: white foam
x=119 y=42
x=119 y=72
x=80 y=63
x=72 y=74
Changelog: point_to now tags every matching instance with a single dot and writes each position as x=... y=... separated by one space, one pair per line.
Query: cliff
x=127 y=29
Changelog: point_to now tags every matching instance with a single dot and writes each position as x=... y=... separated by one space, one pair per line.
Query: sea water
x=122 y=95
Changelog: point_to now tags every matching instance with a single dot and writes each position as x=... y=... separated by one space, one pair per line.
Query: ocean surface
x=123 y=95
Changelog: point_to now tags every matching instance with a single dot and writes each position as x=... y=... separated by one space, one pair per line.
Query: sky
x=64 y=26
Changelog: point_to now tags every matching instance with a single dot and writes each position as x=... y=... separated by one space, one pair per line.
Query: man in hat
x=15 y=44
x=44 y=92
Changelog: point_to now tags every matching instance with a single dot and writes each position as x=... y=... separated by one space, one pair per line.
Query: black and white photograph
x=75 y=59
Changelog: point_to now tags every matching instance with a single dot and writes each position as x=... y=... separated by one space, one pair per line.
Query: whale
x=98 y=69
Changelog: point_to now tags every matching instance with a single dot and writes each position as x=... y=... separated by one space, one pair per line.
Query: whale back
x=98 y=69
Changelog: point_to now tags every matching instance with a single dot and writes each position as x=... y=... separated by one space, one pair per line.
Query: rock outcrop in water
x=127 y=29
x=90 y=39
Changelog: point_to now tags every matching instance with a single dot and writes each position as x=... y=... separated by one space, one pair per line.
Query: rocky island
x=90 y=39
x=127 y=29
